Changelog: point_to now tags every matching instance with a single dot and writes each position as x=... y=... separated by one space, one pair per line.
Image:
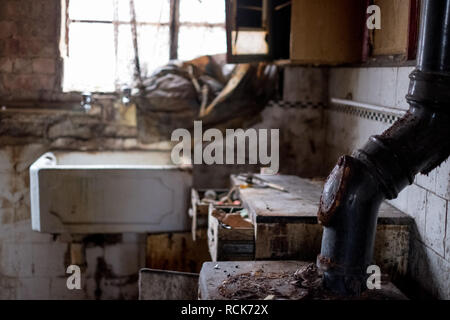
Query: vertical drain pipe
x=418 y=142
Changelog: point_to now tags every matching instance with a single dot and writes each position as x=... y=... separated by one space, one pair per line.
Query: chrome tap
x=126 y=96
x=86 y=101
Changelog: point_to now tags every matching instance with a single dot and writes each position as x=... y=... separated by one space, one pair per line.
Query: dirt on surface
x=304 y=284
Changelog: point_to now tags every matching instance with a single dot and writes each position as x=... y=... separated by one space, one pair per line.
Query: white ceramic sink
x=109 y=192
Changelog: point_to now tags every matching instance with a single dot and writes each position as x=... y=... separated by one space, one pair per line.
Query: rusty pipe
x=387 y=163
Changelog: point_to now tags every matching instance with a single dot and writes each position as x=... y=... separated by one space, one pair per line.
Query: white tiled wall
x=33 y=265
x=427 y=199
x=379 y=86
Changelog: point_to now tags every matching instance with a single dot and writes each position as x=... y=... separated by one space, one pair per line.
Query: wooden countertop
x=300 y=204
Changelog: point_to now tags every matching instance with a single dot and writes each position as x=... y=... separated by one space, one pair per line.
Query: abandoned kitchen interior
x=224 y=149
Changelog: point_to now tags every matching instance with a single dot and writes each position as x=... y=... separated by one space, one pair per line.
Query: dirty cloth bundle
x=204 y=89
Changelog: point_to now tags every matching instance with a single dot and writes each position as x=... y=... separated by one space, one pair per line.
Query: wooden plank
x=177 y=251
x=167 y=285
x=288 y=241
x=327 y=31
x=392 y=38
x=303 y=241
x=300 y=204
x=286 y=225
x=229 y=244
x=199 y=209
x=302 y=200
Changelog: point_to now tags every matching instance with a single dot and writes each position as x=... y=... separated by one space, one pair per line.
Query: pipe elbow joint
x=348 y=211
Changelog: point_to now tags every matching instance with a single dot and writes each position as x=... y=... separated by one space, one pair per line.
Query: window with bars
x=103 y=37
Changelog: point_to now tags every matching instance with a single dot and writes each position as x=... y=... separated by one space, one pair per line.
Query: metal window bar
x=137 y=65
x=142 y=23
x=116 y=45
x=173 y=24
x=174 y=28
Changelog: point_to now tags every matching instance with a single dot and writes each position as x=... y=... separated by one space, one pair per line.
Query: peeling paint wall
x=33 y=265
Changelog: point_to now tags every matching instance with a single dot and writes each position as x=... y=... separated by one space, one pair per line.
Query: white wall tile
x=134 y=238
x=27 y=155
x=32 y=264
x=342 y=81
x=16 y=260
x=436 y=215
x=6 y=164
x=305 y=84
x=33 y=289
x=8 y=288
x=443 y=180
x=401 y=202
x=350 y=132
x=402 y=87
x=362 y=86
x=447 y=235
x=48 y=259
x=430 y=270
x=92 y=253
x=379 y=86
x=371 y=85
x=124 y=258
x=387 y=78
x=7 y=180
x=427 y=181
x=21 y=233
x=59 y=290
x=426 y=199
x=439 y=272
x=417 y=201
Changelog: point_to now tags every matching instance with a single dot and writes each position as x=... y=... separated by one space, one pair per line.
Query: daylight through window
x=98 y=46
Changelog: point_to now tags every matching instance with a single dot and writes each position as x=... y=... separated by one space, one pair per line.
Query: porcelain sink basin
x=109 y=192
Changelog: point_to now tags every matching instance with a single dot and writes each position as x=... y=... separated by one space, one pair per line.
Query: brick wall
x=29 y=57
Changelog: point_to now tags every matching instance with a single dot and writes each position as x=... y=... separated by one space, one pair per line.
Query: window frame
x=231 y=18
x=174 y=25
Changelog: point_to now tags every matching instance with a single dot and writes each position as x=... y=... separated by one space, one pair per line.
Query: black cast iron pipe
x=418 y=142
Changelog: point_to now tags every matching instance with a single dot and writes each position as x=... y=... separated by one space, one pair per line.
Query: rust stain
x=328 y=206
x=325 y=263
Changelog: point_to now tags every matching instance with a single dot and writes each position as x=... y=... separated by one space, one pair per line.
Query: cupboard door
x=399 y=29
x=248 y=30
x=327 y=32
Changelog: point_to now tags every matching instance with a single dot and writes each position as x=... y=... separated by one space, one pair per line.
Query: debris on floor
x=263 y=285
x=303 y=284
